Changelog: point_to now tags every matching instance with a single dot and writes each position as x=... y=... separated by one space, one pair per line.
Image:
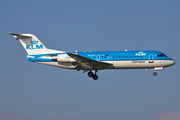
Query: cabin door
x=151 y=58
x=98 y=57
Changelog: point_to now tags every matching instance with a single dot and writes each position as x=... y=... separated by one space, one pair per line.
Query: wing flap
x=78 y=66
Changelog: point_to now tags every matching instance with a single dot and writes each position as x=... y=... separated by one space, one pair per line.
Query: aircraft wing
x=84 y=63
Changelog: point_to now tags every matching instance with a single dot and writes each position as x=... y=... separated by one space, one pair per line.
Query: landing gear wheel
x=90 y=74
x=95 y=77
x=154 y=73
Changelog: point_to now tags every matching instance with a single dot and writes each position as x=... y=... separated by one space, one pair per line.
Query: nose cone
x=171 y=62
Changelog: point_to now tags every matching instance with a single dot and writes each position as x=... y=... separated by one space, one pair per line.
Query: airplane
x=92 y=61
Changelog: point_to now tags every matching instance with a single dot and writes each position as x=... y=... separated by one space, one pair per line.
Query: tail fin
x=31 y=43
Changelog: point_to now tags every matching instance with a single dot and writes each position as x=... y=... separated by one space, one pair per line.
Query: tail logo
x=34 y=42
x=34 y=45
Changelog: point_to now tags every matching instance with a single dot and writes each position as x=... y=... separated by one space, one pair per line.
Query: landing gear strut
x=94 y=76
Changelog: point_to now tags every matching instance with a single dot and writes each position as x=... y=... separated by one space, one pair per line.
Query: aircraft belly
x=135 y=64
x=131 y=64
x=59 y=64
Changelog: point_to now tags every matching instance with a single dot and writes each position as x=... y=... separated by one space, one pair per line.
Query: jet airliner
x=92 y=61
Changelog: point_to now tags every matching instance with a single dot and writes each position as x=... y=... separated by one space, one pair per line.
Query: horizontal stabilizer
x=18 y=36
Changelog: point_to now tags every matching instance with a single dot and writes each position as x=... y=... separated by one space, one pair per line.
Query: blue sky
x=31 y=91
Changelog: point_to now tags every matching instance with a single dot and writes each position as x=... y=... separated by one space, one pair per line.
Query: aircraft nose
x=172 y=62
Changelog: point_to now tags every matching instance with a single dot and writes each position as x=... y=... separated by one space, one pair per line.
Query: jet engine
x=63 y=58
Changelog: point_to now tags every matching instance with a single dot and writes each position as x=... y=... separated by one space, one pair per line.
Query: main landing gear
x=94 y=76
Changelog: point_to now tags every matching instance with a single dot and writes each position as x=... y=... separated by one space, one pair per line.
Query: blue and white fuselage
x=118 y=59
x=89 y=61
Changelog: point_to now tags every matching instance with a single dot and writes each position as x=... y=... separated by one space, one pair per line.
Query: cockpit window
x=162 y=55
x=165 y=55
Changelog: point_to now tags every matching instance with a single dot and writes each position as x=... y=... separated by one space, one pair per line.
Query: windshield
x=162 y=55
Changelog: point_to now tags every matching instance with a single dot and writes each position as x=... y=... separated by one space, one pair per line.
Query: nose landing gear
x=155 y=73
x=94 y=76
x=157 y=68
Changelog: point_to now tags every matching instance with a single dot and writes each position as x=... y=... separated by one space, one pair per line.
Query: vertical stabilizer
x=31 y=43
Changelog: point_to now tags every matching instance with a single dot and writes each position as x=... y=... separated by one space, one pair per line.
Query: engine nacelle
x=63 y=58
